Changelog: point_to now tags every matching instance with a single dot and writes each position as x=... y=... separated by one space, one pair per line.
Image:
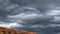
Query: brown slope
x=4 y=30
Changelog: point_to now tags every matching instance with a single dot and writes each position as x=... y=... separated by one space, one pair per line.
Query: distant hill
x=4 y=30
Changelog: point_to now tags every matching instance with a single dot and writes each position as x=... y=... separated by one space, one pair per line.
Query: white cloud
x=30 y=10
x=56 y=19
x=44 y=26
x=53 y=12
x=11 y=25
x=24 y=16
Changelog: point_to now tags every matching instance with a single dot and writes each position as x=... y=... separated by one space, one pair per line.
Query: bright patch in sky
x=53 y=12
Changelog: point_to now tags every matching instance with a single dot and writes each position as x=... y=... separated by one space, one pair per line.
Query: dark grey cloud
x=42 y=5
x=41 y=16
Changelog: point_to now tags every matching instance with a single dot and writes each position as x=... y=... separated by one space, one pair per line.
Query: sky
x=40 y=16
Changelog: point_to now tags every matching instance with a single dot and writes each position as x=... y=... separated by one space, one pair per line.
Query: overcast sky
x=40 y=16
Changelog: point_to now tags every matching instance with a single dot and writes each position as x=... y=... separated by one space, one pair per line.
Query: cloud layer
x=41 y=16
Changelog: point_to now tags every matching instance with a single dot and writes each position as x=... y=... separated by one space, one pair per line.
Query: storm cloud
x=41 y=16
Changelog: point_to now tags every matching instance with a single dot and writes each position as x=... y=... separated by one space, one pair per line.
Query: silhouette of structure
x=4 y=30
